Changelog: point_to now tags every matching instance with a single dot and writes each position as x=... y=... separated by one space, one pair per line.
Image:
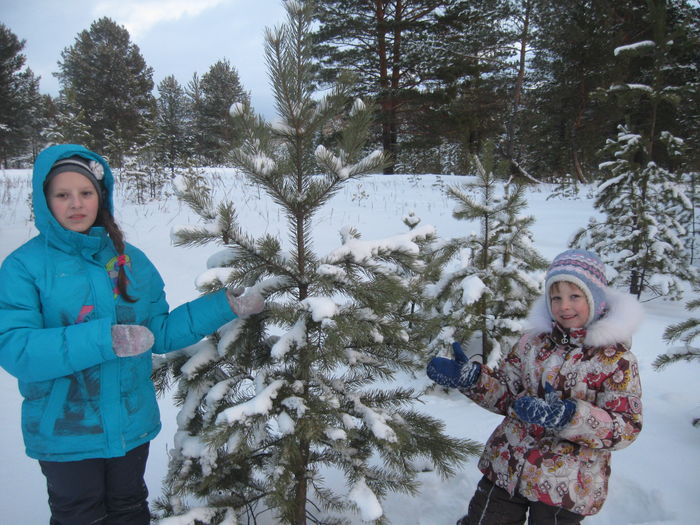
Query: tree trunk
x=580 y=176
x=301 y=485
x=519 y=81
x=385 y=102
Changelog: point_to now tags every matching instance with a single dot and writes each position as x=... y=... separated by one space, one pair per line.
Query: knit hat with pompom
x=585 y=270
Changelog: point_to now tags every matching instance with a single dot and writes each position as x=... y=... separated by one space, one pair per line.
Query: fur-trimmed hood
x=618 y=325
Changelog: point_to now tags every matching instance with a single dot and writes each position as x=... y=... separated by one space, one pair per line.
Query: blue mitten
x=454 y=373
x=550 y=412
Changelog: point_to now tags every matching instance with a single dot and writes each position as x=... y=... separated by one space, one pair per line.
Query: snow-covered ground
x=654 y=481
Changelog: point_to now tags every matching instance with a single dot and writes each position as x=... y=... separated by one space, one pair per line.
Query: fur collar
x=618 y=325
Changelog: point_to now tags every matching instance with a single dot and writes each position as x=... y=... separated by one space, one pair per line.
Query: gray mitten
x=245 y=305
x=131 y=339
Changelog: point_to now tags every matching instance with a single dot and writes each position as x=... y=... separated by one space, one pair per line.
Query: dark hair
x=105 y=218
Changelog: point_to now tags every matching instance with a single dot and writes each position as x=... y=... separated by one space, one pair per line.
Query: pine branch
x=690 y=354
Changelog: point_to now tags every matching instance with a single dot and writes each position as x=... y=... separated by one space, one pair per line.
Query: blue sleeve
x=31 y=352
x=189 y=322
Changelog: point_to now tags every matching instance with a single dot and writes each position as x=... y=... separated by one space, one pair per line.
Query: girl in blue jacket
x=80 y=313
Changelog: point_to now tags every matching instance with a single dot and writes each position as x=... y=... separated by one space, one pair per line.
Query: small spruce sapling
x=486 y=294
x=642 y=236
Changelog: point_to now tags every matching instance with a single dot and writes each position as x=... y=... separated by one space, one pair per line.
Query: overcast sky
x=176 y=37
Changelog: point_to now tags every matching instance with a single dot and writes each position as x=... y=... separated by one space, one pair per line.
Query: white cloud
x=139 y=16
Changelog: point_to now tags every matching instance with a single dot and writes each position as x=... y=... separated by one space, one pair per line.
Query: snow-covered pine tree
x=271 y=404
x=172 y=129
x=684 y=332
x=488 y=295
x=648 y=216
x=642 y=236
x=66 y=126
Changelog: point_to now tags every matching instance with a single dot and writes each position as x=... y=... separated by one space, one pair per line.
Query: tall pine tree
x=571 y=57
x=173 y=125
x=19 y=102
x=270 y=404
x=220 y=88
x=399 y=50
x=644 y=235
x=464 y=63
x=106 y=85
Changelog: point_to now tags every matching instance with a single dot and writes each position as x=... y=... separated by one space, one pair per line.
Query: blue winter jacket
x=57 y=307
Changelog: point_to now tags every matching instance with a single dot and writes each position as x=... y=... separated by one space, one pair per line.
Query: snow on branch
x=295 y=336
x=610 y=182
x=320 y=308
x=229 y=334
x=191 y=404
x=191 y=517
x=361 y=251
x=258 y=164
x=261 y=405
x=206 y=355
x=357 y=106
x=219 y=391
x=237 y=109
x=332 y=162
x=634 y=47
x=375 y=421
x=472 y=289
x=367 y=162
x=333 y=271
x=338 y=167
x=335 y=434
x=632 y=87
x=212 y=278
x=296 y=404
x=193 y=447
x=224 y=257
x=366 y=501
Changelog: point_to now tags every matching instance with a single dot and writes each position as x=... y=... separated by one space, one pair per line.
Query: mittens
x=550 y=412
x=245 y=305
x=454 y=373
x=131 y=339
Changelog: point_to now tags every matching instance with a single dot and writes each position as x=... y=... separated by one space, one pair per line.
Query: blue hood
x=43 y=218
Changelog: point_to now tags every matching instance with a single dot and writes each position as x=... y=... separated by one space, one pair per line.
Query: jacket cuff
x=211 y=311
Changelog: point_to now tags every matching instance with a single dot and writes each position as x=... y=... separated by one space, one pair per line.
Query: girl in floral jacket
x=570 y=393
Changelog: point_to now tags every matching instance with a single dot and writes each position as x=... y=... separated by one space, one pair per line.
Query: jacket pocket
x=54 y=406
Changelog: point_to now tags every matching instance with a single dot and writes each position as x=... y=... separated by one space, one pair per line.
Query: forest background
x=546 y=83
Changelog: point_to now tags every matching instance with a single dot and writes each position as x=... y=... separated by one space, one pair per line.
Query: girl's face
x=73 y=201
x=569 y=305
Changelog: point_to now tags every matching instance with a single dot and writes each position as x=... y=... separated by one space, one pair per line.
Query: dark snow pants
x=99 y=491
x=491 y=505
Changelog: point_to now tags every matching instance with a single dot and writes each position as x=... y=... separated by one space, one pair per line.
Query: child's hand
x=131 y=339
x=245 y=305
x=550 y=413
x=454 y=373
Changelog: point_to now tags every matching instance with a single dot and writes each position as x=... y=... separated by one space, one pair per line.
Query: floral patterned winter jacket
x=569 y=467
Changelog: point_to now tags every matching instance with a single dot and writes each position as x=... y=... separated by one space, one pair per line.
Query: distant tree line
x=447 y=77
x=107 y=102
